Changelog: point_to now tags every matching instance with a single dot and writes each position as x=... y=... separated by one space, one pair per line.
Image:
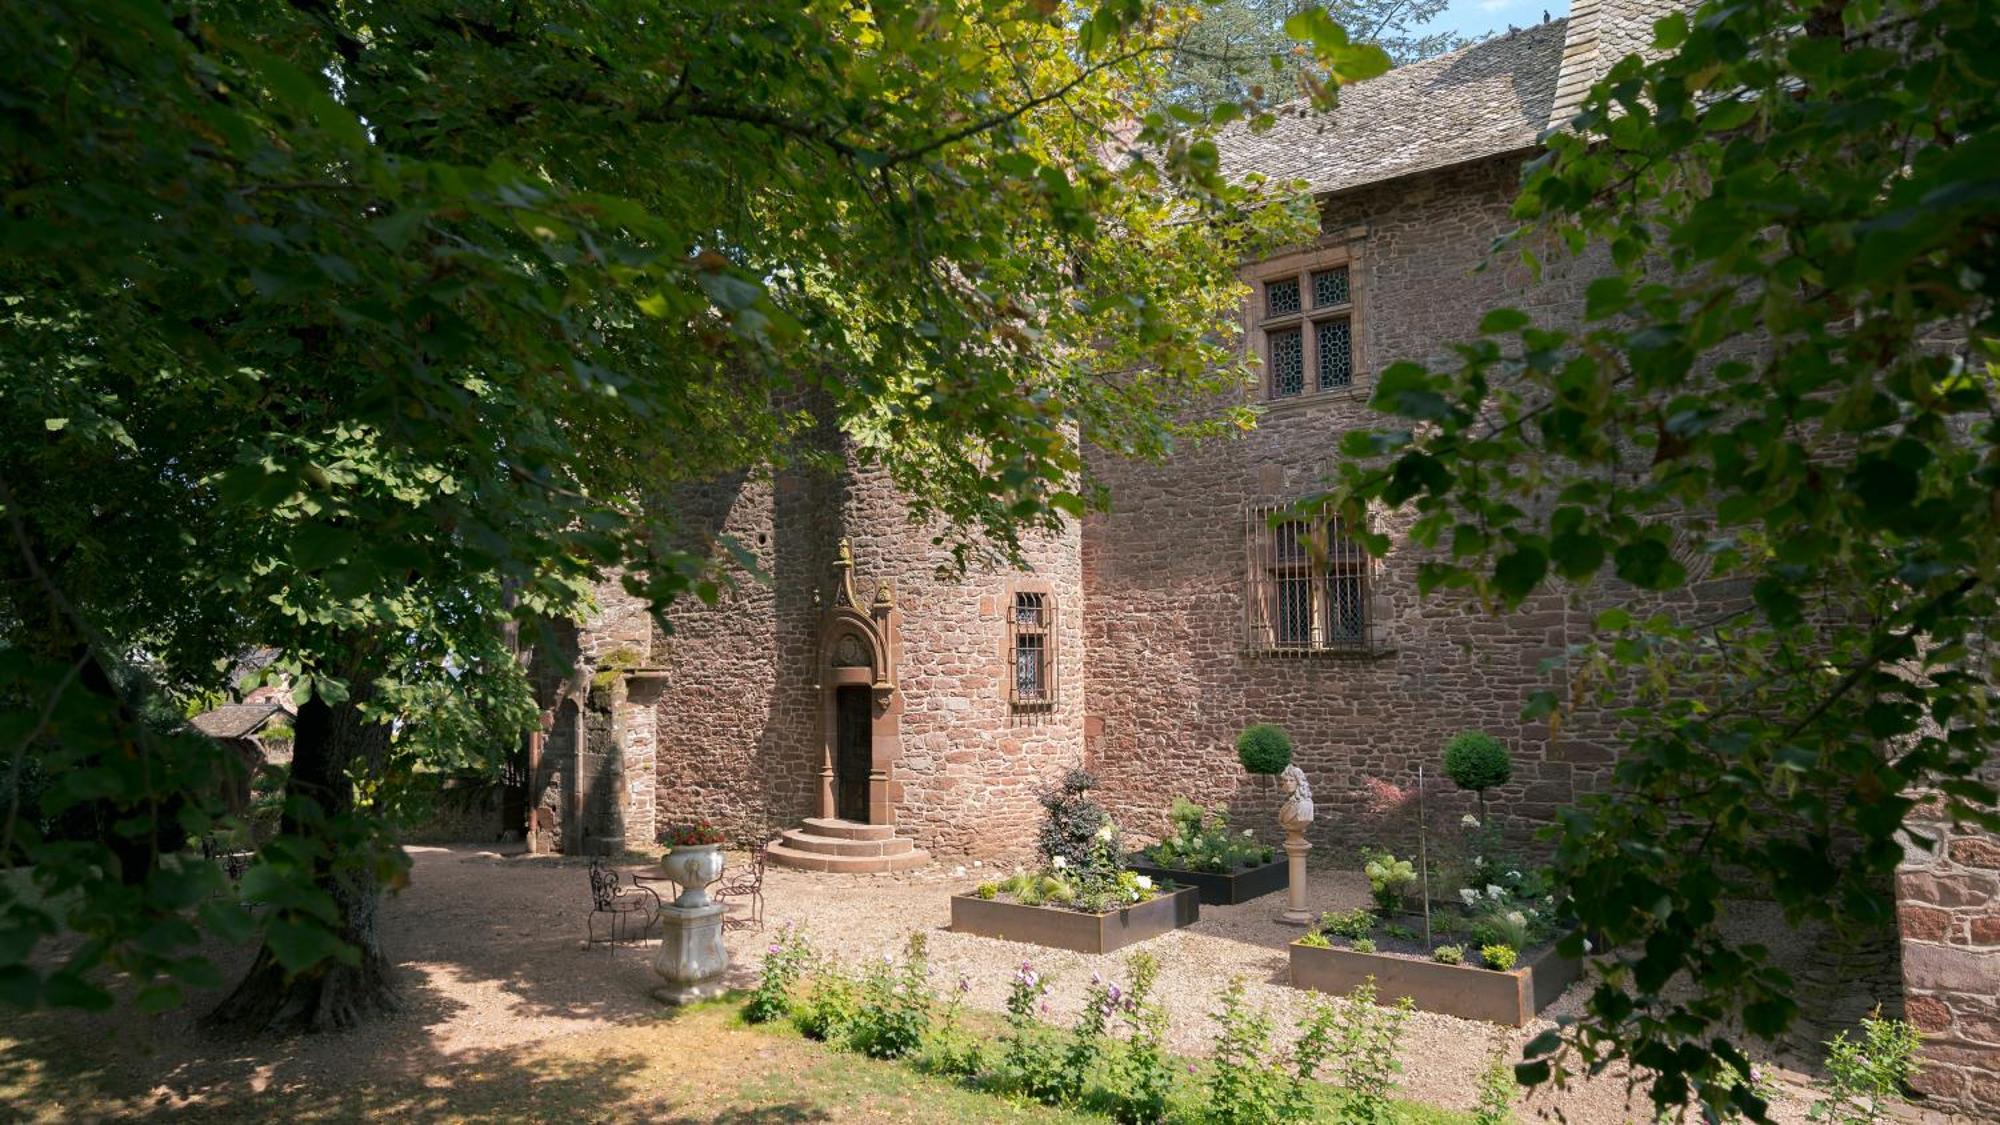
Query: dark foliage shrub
x=1071 y=830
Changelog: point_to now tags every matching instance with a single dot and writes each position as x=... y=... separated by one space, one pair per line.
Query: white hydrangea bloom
x=1470 y=895
x=1145 y=882
x=1495 y=890
x=1517 y=918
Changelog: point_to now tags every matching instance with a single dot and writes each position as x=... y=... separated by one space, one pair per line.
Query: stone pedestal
x=691 y=959
x=1296 y=848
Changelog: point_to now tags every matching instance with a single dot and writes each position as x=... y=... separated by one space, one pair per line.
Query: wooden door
x=853 y=753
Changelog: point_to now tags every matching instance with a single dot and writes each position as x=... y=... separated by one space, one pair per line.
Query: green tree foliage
x=1783 y=385
x=1476 y=761
x=1240 y=47
x=1264 y=748
x=365 y=331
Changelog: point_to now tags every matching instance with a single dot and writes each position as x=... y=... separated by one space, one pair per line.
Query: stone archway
x=860 y=708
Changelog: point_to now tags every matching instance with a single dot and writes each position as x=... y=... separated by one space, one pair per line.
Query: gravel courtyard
x=492 y=960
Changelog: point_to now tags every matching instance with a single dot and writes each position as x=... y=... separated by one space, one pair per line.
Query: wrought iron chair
x=747 y=885
x=625 y=906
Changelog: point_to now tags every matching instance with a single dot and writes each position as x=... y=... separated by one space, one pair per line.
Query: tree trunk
x=328 y=741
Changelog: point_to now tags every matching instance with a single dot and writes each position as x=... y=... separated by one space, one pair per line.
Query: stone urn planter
x=693 y=867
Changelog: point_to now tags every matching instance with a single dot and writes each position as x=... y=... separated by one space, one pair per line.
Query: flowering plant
x=691 y=835
x=1201 y=841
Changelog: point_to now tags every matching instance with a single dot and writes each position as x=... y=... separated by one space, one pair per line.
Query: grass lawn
x=702 y=1064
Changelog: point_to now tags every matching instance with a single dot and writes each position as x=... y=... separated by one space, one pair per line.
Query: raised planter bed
x=1220 y=888
x=1072 y=929
x=1511 y=998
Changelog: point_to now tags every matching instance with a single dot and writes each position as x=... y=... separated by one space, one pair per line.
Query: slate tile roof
x=236 y=720
x=1493 y=97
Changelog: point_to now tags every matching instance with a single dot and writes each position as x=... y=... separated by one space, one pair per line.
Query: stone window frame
x=1300 y=267
x=1320 y=572
x=1049 y=630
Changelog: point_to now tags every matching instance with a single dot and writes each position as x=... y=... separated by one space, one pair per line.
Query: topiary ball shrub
x=1477 y=761
x=1264 y=748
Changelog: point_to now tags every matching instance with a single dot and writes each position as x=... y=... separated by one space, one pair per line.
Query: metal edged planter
x=1511 y=998
x=1074 y=930
x=1233 y=888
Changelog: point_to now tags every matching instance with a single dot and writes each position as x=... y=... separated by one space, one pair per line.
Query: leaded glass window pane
x=1288 y=363
x=1336 y=353
x=1281 y=298
x=1346 y=613
x=1292 y=624
x=1028 y=666
x=1330 y=287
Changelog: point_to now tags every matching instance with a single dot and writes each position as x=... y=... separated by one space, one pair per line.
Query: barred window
x=1309 y=348
x=1308 y=584
x=1031 y=648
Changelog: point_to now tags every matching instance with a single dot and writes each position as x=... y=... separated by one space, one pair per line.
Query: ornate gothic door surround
x=860 y=708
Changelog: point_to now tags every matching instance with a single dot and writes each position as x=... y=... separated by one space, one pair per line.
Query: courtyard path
x=492 y=961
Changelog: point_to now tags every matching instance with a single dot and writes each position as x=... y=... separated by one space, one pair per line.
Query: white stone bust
x=1297 y=811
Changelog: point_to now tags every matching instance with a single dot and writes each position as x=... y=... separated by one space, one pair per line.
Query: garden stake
x=1423 y=855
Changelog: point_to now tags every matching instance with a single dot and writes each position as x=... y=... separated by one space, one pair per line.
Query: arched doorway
x=859 y=708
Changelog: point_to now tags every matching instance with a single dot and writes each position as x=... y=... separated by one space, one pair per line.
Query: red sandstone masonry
x=1950 y=918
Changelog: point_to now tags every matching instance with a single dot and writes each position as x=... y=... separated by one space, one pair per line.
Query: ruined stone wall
x=1170 y=681
x=1948 y=906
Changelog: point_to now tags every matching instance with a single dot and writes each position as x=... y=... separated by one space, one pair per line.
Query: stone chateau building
x=880 y=716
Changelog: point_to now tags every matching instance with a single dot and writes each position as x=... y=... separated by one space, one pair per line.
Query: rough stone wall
x=1948 y=906
x=736 y=718
x=1170 y=682
x=738 y=715
x=972 y=764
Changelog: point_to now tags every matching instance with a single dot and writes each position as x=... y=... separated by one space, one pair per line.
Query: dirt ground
x=490 y=952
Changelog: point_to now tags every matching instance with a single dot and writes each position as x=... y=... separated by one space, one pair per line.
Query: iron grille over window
x=1031 y=645
x=1308 y=585
x=1309 y=349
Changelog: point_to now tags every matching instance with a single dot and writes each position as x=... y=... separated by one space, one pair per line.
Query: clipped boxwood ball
x=1264 y=748
x=1477 y=761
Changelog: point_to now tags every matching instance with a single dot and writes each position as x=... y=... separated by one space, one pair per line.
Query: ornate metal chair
x=624 y=906
x=747 y=885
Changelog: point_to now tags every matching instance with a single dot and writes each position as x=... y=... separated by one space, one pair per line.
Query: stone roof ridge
x=1602 y=32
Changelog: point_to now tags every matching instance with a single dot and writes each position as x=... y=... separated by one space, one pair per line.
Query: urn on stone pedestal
x=693 y=867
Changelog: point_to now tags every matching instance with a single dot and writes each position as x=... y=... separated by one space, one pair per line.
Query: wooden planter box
x=1511 y=998
x=1072 y=929
x=1217 y=889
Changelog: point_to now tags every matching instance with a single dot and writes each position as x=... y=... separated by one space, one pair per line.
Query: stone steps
x=847 y=829
x=844 y=846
